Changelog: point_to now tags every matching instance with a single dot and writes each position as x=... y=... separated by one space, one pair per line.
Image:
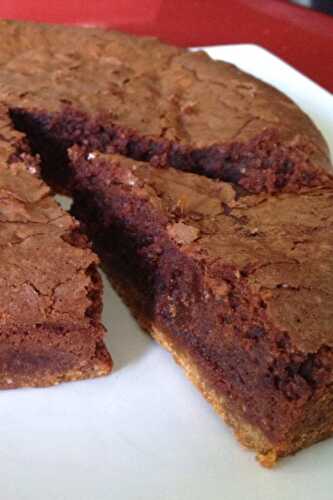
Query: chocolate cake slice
x=50 y=289
x=238 y=289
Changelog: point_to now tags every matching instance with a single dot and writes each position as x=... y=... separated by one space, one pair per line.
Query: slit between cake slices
x=261 y=165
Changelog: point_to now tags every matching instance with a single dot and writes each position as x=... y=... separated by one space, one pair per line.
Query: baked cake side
x=236 y=289
x=50 y=289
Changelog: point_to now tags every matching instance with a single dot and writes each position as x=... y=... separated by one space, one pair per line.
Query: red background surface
x=301 y=37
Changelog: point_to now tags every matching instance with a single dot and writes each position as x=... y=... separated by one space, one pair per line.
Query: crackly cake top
x=145 y=85
x=43 y=272
x=282 y=245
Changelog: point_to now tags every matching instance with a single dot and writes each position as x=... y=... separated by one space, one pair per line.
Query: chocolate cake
x=50 y=289
x=232 y=275
x=234 y=287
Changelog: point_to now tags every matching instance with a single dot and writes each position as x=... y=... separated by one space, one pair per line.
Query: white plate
x=145 y=432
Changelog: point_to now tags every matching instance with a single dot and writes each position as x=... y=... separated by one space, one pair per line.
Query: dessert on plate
x=207 y=194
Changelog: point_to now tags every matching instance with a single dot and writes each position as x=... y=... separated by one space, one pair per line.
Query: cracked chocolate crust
x=151 y=101
x=239 y=289
x=50 y=289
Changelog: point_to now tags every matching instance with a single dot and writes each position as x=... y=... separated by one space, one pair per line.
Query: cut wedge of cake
x=237 y=288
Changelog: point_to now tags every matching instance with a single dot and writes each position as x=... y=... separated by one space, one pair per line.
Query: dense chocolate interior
x=261 y=164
